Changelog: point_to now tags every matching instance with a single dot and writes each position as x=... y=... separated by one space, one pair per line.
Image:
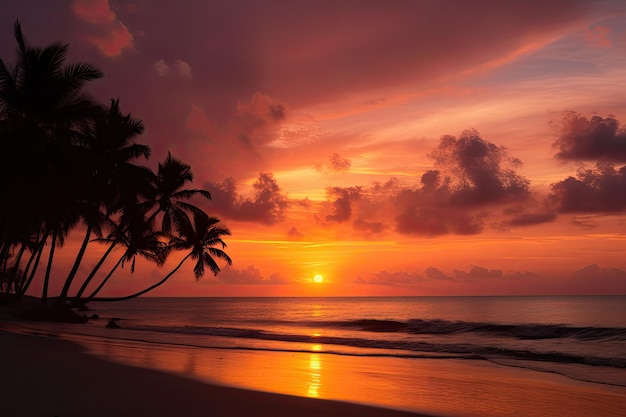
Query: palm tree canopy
x=201 y=236
x=41 y=89
x=139 y=238
x=110 y=148
x=168 y=183
x=42 y=107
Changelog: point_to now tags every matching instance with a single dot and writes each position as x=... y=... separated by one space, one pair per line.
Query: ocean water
x=582 y=339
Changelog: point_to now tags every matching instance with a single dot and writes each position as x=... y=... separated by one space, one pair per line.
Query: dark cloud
x=373 y=207
x=480 y=273
x=477 y=272
x=304 y=203
x=294 y=234
x=368 y=227
x=601 y=189
x=391 y=186
x=520 y=275
x=434 y=274
x=594 y=139
x=437 y=274
x=335 y=163
x=530 y=219
x=584 y=222
x=250 y=275
x=342 y=203
x=595 y=272
x=267 y=206
x=472 y=176
x=391 y=278
x=477 y=171
x=595 y=279
x=421 y=217
x=256 y=119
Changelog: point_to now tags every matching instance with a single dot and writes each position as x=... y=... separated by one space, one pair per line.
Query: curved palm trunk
x=4 y=250
x=37 y=257
x=150 y=288
x=6 y=247
x=79 y=258
x=96 y=268
x=46 y=281
x=18 y=260
x=104 y=281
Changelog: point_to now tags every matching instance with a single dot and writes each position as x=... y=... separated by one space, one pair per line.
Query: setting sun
x=318 y=279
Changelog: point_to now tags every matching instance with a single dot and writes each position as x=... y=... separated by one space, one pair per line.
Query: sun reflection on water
x=315 y=372
x=318 y=310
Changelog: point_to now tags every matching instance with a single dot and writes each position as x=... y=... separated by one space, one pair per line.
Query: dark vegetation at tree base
x=69 y=164
x=30 y=308
x=54 y=312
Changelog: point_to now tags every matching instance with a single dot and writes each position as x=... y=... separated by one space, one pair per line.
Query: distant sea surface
x=580 y=338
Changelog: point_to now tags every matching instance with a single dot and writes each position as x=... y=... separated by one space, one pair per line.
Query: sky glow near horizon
x=318 y=127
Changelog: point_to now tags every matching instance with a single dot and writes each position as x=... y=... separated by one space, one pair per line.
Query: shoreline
x=45 y=376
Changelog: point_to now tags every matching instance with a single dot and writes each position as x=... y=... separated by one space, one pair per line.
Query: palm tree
x=140 y=239
x=168 y=194
x=109 y=150
x=41 y=109
x=38 y=244
x=198 y=237
x=77 y=162
x=39 y=88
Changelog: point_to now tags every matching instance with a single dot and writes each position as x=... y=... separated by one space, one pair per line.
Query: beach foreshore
x=43 y=376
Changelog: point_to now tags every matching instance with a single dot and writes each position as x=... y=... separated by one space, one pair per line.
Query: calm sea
x=582 y=338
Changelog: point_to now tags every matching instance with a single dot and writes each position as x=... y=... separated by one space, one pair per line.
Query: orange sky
x=397 y=147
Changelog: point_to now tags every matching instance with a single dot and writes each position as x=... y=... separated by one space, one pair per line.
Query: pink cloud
x=257 y=119
x=105 y=31
x=178 y=68
x=599 y=36
x=198 y=123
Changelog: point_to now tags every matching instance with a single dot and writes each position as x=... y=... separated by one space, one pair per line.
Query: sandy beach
x=43 y=376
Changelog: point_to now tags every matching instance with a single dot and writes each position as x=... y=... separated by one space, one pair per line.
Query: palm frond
x=220 y=254
x=19 y=37
x=74 y=76
x=187 y=194
x=135 y=151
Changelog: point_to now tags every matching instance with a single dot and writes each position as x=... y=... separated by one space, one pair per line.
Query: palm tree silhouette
x=200 y=237
x=77 y=164
x=109 y=148
x=41 y=107
x=139 y=238
x=168 y=196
